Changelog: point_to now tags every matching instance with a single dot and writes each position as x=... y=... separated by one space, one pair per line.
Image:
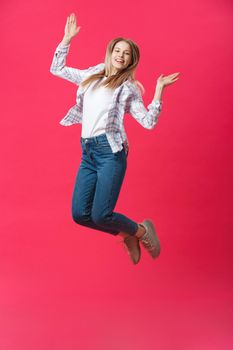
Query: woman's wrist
x=158 y=92
x=66 y=41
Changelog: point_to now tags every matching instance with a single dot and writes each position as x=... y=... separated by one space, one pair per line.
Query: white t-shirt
x=95 y=106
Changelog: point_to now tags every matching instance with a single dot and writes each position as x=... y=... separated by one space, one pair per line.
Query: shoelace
x=148 y=242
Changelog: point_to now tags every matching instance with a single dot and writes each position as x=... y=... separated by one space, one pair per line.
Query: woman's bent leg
x=83 y=195
x=111 y=172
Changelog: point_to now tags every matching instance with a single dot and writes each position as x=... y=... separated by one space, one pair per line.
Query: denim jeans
x=97 y=187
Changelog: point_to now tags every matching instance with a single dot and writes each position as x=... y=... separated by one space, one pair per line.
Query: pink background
x=63 y=286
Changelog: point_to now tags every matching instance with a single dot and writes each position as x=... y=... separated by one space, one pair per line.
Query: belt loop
x=96 y=139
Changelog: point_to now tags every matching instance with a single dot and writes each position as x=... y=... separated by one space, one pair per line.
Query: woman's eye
x=126 y=52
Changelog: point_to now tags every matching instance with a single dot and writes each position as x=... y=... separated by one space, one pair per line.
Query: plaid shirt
x=127 y=98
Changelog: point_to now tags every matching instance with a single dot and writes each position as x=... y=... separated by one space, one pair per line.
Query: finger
x=174 y=74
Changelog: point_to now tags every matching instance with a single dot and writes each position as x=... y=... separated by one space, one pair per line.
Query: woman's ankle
x=141 y=231
x=123 y=234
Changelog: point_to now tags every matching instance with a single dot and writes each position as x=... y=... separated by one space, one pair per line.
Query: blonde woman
x=106 y=92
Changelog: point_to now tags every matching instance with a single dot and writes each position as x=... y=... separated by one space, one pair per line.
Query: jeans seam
x=113 y=184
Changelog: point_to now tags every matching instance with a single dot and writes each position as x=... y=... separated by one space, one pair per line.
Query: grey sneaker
x=132 y=246
x=150 y=239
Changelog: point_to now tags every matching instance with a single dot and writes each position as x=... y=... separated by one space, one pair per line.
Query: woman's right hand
x=71 y=29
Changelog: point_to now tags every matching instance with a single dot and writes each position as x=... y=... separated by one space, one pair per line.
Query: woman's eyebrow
x=117 y=47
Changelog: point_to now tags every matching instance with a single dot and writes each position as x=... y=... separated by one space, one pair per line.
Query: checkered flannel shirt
x=127 y=98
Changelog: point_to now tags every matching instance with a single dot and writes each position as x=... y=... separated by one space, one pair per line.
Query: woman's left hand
x=167 y=80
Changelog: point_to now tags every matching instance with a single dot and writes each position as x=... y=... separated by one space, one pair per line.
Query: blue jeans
x=97 y=187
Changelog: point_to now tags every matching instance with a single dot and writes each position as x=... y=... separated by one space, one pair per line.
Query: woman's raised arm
x=58 y=66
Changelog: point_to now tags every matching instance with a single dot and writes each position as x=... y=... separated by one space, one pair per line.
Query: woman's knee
x=78 y=217
x=99 y=219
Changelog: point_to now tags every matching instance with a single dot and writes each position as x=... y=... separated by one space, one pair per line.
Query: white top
x=95 y=106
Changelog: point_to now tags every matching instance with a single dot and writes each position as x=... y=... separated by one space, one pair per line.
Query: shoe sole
x=150 y=228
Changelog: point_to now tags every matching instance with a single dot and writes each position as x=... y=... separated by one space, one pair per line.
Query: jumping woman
x=106 y=92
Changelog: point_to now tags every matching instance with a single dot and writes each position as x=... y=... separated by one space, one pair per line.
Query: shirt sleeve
x=147 y=117
x=74 y=75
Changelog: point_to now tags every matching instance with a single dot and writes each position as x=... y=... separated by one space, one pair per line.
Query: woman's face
x=121 y=56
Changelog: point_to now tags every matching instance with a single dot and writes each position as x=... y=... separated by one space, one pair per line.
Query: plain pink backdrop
x=63 y=286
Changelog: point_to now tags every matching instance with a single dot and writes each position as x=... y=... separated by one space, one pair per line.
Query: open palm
x=167 y=79
x=71 y=28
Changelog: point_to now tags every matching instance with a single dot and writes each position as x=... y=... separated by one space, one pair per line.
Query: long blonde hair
x=128 y=73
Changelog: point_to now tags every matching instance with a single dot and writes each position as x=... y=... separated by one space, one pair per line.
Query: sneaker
x=150 y=239
x=132 y=246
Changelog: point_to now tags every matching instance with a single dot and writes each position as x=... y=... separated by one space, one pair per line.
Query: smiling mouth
x=119 y=61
